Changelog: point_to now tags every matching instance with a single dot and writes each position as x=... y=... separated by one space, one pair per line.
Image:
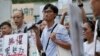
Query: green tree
x=28 y=1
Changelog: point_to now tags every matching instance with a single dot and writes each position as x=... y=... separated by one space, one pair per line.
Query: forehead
x=49 y=8
x=86 y=25
x=17 y=13
x=5 y=26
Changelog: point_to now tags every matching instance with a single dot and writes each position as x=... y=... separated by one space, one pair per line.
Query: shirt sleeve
x=63 y=35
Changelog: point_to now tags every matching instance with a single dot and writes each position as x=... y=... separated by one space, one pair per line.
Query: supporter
x=6 y=28
x=89 y=35
x=59 y=36
x=18 y=18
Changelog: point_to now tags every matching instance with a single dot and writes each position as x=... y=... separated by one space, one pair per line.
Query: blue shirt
x=61 y=34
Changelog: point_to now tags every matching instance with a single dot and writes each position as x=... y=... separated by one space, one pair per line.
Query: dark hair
x=91 y=24
x=0 y=26
x=6 y=23
x=54 y=8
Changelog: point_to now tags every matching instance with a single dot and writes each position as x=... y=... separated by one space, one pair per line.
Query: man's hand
x=61 y=43
x=64 y=14
x=53 y=36
x=36 y=30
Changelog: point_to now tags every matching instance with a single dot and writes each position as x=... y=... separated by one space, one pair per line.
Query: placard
x=15 y=45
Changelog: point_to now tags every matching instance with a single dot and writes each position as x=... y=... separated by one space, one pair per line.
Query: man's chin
x=17 y=24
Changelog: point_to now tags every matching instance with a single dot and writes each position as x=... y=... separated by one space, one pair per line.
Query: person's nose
x=15 y=19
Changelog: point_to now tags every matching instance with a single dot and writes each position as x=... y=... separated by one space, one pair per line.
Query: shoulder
x=60 y=25
x=61 y=28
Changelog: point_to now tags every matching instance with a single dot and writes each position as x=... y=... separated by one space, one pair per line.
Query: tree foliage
x=28 y=1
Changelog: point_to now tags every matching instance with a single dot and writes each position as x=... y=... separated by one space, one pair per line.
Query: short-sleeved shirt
x=61 y=34
x=89 y=48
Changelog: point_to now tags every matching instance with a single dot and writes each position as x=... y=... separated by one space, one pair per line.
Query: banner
x=15 y=45
x=33 y=51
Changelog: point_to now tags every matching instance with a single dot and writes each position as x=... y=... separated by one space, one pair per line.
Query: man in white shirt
x=59 y=36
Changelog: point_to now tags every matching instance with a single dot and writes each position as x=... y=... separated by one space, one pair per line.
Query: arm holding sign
x=63 y=17
x=80 y=5
x=38 y=42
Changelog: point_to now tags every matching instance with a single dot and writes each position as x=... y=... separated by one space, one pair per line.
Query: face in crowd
x=6 y=28
x=88 y=30
x=18 y=18
x=49 y=12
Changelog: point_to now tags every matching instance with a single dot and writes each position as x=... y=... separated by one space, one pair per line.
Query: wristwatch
x=80 y=5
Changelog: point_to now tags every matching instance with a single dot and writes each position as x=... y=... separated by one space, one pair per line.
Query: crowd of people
x=50 y=34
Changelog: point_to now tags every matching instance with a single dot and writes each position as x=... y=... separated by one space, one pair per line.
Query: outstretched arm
x=63 y=17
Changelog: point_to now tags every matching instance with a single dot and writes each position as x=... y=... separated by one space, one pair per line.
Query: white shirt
x=89 y=48
x=21 y=29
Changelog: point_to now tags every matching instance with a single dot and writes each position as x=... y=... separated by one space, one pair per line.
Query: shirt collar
x=23 y=25
x=49 y=29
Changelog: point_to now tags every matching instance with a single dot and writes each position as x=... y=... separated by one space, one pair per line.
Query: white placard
x=15 y=45
x=33 y=51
